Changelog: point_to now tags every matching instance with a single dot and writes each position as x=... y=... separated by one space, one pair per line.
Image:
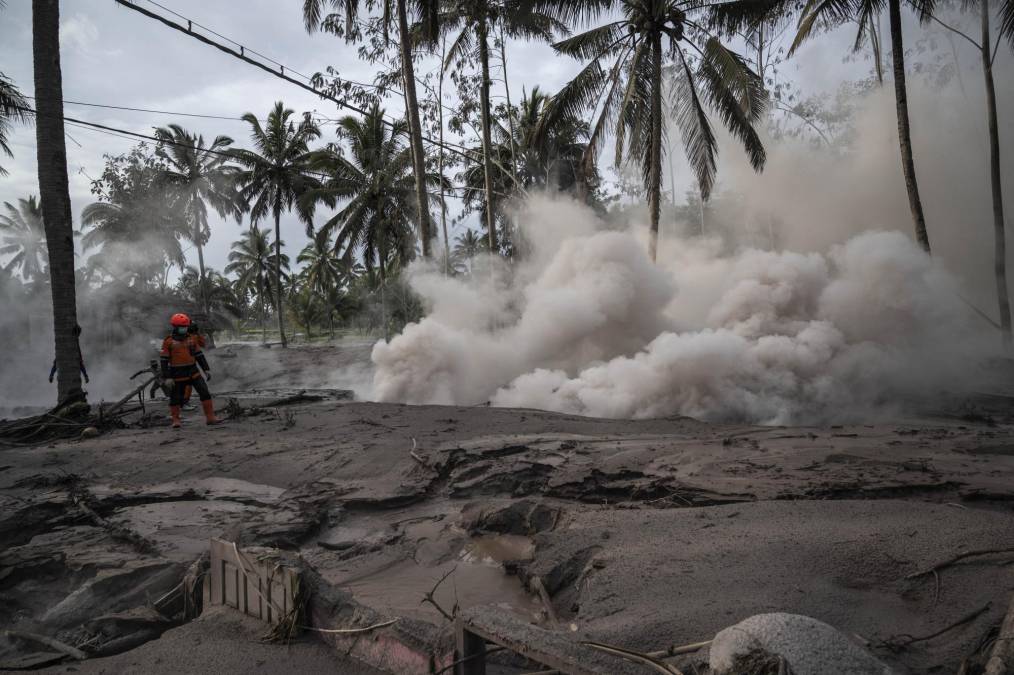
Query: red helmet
x=180 y=320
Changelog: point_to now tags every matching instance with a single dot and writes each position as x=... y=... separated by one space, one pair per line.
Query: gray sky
x=114 y=56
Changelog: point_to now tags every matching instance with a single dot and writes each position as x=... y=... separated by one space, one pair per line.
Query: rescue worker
x=179 y=359
x=194 y=332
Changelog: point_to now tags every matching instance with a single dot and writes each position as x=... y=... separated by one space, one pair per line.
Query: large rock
x=810 y=647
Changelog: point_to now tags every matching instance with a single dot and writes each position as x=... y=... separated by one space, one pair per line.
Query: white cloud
x=79 y=33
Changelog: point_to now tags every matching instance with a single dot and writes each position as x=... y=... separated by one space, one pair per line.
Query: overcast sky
x=112 y=55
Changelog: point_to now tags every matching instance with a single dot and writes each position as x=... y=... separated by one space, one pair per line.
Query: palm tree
x=323 y=270
x=376 y=186
x=467 y=245
x=827 y=14
x=324 y=273
x=624 y=80
x=277 y=173
x=306 y=307
x=198 y=176
x=427 y=11
x=253 y=263
x=212 y=291
x=473 y=21
x=55 y=194
x=13 y=108
x=999 y=234
x=1007 y=20
x=135 y=223
x=23 y=238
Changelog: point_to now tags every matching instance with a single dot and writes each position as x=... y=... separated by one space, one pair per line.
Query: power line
x=130 y=135
x=318 y=117
x=241 y=55
x=191 y=23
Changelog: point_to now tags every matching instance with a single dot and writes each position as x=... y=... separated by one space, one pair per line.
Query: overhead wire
x=242 y=55
x=318 y=117
x=130 y=135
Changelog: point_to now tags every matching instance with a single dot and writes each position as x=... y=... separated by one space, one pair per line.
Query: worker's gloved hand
x=50 y=379
x=207 y=375
x=86 y=379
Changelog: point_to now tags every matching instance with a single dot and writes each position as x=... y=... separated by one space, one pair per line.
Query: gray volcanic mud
x=642 y=533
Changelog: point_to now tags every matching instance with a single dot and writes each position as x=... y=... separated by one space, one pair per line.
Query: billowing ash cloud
x=587 y=325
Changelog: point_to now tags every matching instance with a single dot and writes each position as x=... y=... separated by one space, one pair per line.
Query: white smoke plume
x=848 y=320
x=770 y=337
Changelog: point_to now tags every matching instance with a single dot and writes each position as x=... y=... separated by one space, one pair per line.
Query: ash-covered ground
x=644 y=533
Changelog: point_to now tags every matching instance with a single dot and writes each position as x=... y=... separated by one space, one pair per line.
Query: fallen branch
x=52 y=643
x=659 y=654
x=301 y=397
x=547 y=603
x=898 y=642
x=428 y=598
x=636 y=657
x=958 y=558
x=115 y=531
x=353 y=631
x=1001 y=660
x=414 y=455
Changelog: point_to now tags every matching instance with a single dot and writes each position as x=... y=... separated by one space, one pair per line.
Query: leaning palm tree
x=13 y=108
x=346 y=23
x=23 y=239
x=54 y=193
x=625 y=77
x=198 y=176
x=276 y=174
x=251 y=260
x=474 y=21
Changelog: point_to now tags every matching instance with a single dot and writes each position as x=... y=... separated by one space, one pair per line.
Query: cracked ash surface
x=643 y=533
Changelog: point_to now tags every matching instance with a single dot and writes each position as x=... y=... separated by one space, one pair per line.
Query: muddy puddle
x=401 y=588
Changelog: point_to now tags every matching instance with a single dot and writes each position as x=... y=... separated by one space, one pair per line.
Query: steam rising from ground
x=589 y=326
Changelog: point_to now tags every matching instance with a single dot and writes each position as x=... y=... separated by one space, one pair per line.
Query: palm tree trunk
x=510 y=110
x=1000 y=237
x=55 y=195
x=383 y=297
x=878 y=59
x=486 y=142
x=278 y=277
x=440 y=158
x=904 y=129
x=260 y=301
x=415 y=130
x=202 y=288
x=655 y=156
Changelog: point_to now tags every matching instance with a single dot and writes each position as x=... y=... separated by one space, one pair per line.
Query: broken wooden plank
x=554 y=649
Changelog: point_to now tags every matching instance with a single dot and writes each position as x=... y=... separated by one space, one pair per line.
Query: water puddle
x=496 y=549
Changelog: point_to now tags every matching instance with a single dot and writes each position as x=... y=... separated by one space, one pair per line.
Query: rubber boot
x=209 y=412
x=174 y=410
